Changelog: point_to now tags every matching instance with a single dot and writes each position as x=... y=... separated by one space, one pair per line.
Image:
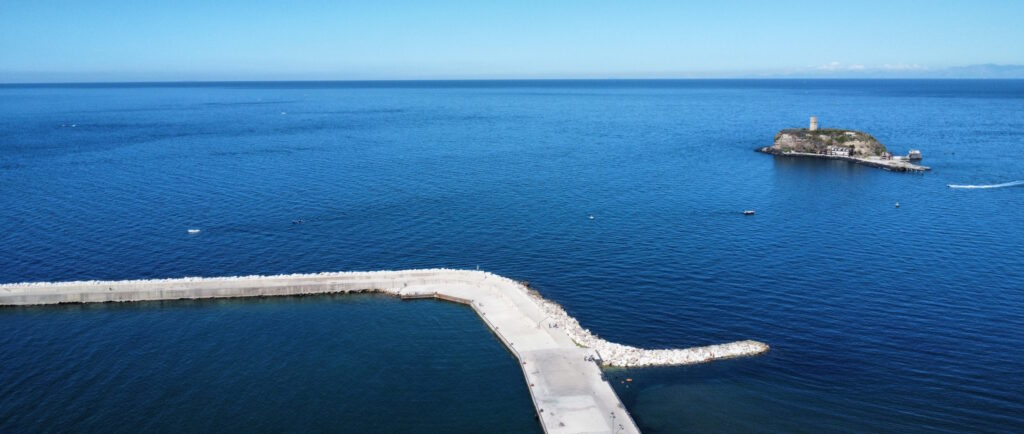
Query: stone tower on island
x=814 y=123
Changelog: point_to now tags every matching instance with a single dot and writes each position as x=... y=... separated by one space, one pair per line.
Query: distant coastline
x=17 y=81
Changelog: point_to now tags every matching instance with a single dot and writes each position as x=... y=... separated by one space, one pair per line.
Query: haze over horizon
x=114 y=40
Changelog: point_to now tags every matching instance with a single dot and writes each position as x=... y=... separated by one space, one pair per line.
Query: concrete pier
x=560 y=359
x=890 y=165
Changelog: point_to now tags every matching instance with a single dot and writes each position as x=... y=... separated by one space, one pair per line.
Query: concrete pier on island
x=838 y=144
x=560 y=359
x=879 y=162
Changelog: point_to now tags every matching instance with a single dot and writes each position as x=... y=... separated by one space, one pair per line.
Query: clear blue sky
x=252 y=40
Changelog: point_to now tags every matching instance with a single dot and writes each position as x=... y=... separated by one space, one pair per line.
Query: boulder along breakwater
x=560 y=359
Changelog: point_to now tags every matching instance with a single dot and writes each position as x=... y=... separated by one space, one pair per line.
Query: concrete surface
x=557 y=356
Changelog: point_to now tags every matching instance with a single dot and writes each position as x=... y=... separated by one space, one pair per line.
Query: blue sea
x=881 y=318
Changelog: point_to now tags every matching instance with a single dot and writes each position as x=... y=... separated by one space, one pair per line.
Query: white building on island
x=839 y=151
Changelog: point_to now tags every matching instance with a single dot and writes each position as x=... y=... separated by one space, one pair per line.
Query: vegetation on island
x=804 y=140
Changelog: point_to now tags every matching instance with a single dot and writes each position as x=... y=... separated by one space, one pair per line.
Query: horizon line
x=452 y=80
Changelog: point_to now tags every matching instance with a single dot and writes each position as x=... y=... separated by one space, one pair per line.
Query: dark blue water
x=880 y=318
x=310 y=364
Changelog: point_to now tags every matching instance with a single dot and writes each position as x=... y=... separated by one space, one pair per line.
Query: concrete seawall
x=890 y=165
x=559 y=358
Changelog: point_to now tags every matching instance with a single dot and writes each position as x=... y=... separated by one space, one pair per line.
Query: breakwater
x=559 y=358
x=890 y=165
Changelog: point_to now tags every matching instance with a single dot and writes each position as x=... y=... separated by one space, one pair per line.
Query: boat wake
x=1003 y=185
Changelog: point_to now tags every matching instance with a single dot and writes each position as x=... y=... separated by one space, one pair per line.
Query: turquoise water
x=880 y=318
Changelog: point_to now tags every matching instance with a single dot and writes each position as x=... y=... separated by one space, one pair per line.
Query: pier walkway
x=892 y=165
x=559 y=359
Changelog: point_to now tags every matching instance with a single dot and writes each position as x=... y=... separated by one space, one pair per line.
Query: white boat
x=193 y=231
x=748 y=212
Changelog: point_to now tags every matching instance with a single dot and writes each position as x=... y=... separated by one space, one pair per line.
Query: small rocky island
x=840 y=144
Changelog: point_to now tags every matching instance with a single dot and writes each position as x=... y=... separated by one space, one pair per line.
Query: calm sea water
x=880 y=318
x=310 y=364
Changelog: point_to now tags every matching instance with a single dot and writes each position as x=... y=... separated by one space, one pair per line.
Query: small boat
x=193 y=231
x=748 y=212
x=897 y=204
x=591 y=217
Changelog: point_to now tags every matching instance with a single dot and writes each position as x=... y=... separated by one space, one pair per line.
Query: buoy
x=629 y=380
x=897 y=204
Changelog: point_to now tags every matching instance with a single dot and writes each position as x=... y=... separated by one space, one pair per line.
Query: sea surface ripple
x=880 y=318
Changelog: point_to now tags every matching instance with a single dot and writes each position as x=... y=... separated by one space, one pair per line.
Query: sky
x=113 y=40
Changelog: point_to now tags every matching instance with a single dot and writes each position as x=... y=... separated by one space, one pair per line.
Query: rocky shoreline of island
x=891 y=165
x=841 y=144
